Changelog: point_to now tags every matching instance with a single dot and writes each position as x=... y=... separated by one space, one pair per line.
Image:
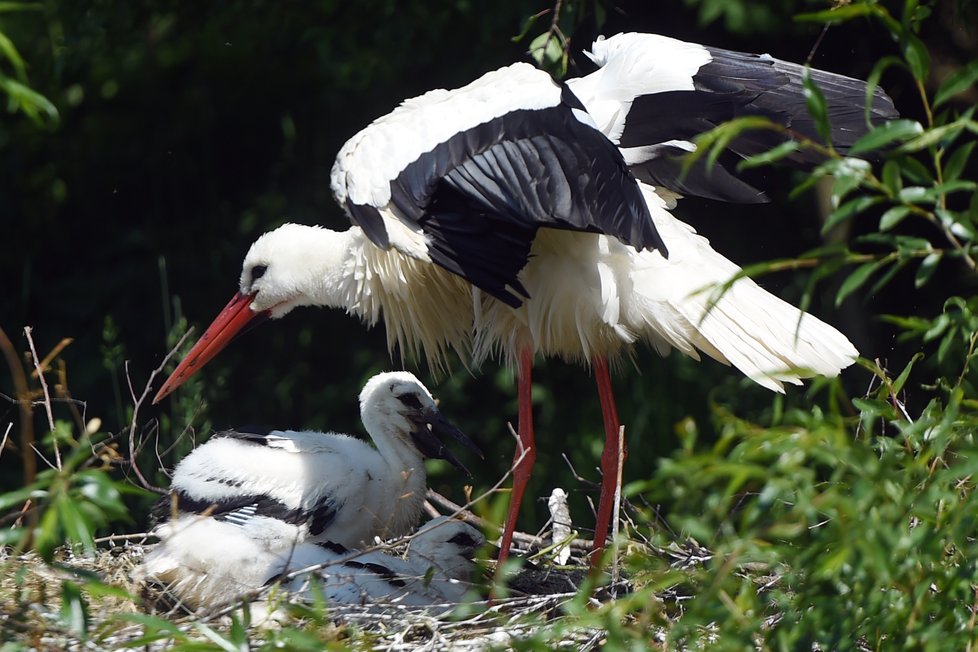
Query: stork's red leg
x=609 y=458
x=522 y=462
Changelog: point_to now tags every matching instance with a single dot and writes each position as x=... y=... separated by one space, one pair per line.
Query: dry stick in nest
x=137 y=403
x=44 y=389
x=463 y=513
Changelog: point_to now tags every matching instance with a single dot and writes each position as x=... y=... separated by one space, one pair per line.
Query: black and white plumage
x=512 y=218
x=205 y=563
x=674 y=91
x=436 y=568
x=285 y=487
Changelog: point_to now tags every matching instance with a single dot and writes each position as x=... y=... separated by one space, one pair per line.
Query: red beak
x=226 y=325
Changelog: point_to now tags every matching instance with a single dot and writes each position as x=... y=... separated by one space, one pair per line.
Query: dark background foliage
x=187 y=129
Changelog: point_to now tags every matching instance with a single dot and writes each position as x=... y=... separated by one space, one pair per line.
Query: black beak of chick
x=427 y=438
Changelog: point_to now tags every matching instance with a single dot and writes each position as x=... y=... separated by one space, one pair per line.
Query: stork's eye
x=410 y=400
x=258 y=271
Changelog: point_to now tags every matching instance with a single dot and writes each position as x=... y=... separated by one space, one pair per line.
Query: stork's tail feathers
x=768 y=339
x=686 y=304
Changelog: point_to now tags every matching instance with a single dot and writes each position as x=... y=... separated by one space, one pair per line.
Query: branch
x=137 y=403
x=22 y=392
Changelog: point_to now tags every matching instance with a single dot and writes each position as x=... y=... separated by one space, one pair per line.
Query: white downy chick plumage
x=205 y=563
x=285 y=487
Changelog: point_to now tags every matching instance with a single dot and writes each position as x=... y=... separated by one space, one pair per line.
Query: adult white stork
x=204 y=563
x=509 y=218
x=284 y=487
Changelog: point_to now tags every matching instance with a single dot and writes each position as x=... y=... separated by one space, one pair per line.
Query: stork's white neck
x=425 y=308
x=331 y=259
x=407 y=479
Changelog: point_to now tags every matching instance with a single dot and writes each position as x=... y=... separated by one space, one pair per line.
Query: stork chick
x=286 y=487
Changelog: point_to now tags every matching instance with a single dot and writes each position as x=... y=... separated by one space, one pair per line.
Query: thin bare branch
x=44 y=384
x=137 y=403
x=6 y=435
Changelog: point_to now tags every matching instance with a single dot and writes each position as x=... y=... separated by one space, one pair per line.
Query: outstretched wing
x=476 y=171
x=654 y=94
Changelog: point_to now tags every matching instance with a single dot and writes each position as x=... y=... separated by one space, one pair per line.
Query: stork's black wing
x=481 y=195
x=733 y=85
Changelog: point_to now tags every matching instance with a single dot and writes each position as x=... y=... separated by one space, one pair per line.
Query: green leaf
x=873 y=80
x=848 y=210
x=912 y=246
x=901 y=380
x=885 y=134
x=12 y=536
x=7 y=7
x=527 y=26
x=836 y=14
x=957 y=82
x=957 y=161
x=849 y=174
x=774 y=154
x=547 y=50
x=933 y=136
x=873 y=408
x=937 y=327
x=927 y=268
x=713 y=142
x=893 y=216
x=76 y=526
x=817 y=107
x=22 y=495
x=947 y=343
x=100 y=489
x=915 y=171
x=34 y=105
x=891 y=177
x=915 y=52
x=8 y=50
x=914 y=194
x=961 y=223
x=217 y=638
x=47 y=536
x=855 y=280
x=74 y=610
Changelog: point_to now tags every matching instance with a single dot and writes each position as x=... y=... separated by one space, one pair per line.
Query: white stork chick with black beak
x=206 y=563
x=286 y=487
x=517 y=217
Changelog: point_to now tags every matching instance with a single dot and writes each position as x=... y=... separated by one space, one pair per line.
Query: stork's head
x=448 y=544
x=398 y=405
x=284 y=269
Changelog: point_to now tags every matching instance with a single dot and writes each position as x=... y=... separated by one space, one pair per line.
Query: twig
x=52 y=354
x=22 y=392
x=577 y=476
x=137 y=402
x=6 y=435
x=461 y=512
x=44 y=386
x=112 y=538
